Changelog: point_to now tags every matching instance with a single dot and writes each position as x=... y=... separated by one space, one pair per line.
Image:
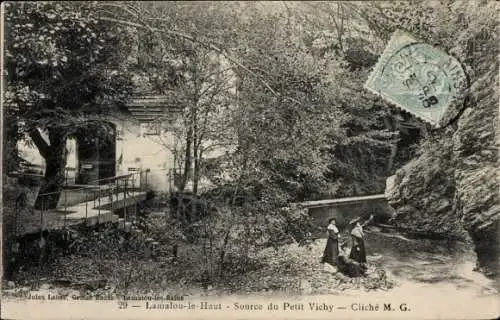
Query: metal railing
x=113 y=188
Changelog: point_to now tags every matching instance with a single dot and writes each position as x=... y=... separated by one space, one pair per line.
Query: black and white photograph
x=250 y=160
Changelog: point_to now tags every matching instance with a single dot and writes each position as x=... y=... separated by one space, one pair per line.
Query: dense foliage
x=62 y=65
x=290 y=115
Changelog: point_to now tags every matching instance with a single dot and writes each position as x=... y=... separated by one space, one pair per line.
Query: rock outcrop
x=423 y=191
x=452 y=185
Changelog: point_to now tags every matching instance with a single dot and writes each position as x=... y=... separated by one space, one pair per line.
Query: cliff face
x=452 y=185
x=475 y=148
x=423 y=191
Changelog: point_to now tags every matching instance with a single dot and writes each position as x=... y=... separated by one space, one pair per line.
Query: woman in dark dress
x=332 y=244
x=358 y=252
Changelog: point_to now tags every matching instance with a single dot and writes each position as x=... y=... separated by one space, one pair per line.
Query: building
x=140 y=139
x=133 y=146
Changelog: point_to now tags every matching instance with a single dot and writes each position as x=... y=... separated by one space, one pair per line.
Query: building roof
x=149 y=108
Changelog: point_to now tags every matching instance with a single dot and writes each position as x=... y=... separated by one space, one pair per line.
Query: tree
x=203 y=90
x=274 y=153
x=63 y=64
x=354 y=141
x=198 y=81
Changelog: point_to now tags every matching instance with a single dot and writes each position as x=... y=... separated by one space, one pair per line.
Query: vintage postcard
x=250 y=160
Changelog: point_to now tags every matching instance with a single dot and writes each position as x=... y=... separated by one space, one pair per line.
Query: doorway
x=96 y=152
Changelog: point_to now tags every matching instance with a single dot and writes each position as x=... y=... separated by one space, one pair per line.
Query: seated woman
x=348 y=266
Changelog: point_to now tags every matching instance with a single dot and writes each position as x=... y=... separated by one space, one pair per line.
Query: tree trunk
x=222 y=254
x=55 y=163
x=187 y=161
x=196 y=173
x=195 y=149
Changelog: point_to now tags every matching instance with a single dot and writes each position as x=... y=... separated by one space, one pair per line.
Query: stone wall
x=343 y=213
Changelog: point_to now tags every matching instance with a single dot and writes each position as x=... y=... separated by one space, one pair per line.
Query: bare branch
x=120 y=6
x=193 y=39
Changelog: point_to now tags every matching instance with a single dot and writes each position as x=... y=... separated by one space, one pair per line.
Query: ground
x=100 y=266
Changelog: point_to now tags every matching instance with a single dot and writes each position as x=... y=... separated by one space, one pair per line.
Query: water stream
x=429 y=263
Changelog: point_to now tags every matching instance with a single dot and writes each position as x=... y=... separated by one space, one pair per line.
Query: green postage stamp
x=419 y=79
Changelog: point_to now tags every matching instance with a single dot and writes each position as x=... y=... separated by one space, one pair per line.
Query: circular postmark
x=415 y=70
x=420 y=79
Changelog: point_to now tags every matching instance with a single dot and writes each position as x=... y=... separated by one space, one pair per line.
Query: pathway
x=92 y=212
